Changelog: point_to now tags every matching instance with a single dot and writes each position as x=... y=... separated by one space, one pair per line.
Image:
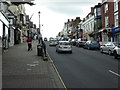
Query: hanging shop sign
x=115 y=30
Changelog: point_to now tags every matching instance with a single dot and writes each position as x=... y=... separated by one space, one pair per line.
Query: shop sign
x=4 y=20
x=115 y=30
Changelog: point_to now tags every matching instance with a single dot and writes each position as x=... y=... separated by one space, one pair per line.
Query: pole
x=39 y=30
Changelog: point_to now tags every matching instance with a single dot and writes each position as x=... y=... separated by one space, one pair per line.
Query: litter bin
x=39 y=50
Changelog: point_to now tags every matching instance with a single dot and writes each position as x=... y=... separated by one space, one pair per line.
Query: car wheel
x=71 y=52
x=115 y=55
x=56 y=50
x=101 y=50
x=109 y=52
x=88 y=48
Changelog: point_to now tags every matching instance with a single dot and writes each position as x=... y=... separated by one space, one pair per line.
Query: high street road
x=86 y=68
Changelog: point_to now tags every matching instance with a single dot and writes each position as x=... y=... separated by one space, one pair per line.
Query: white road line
x=114 y=73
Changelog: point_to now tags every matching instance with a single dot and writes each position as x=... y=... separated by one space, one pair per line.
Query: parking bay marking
x=114 y=73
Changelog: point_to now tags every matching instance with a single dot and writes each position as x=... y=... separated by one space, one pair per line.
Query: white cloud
x=54 y=13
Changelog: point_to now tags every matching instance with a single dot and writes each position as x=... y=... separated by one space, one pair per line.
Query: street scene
x=60 y=44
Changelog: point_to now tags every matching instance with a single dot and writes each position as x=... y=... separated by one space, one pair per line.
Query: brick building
x=107 y=20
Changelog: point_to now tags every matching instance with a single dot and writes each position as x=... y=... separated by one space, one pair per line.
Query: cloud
x=68 y=7
x=54 y=13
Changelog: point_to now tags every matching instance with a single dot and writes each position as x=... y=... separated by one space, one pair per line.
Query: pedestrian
x=29 y=41
x=44 y=47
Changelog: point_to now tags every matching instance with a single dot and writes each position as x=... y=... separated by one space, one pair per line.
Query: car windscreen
x=53 y=40
x=116 y=44
x=83 y=39
x=64 y=43
x=94 y=42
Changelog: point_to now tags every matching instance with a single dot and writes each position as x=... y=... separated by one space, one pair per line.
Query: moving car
x=53 y=42
x=91 y=44
x=45 y=39
x=116 y=51
x=64 y=46
x=108 y=47
x=81 y=42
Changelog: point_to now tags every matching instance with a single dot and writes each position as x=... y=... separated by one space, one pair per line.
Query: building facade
x=107 y=20
x=116 y=29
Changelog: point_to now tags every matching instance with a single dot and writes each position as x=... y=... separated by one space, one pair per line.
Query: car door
x=108 y=47
x=104 y=47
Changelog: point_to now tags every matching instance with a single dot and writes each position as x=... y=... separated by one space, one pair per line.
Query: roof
x=63 y=41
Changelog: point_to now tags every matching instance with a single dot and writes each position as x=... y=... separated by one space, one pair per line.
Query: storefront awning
x=116 y=29
x=104 y=29
x=84 y=34
x=75 y=34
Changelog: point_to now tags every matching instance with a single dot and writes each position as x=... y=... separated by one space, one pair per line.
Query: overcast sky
x=54 y=13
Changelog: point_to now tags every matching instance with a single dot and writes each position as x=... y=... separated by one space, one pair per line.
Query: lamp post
x=39 y=34
x=39 y=21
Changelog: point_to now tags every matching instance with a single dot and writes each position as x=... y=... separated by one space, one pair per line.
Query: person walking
x=44 y=47
x=29 y=41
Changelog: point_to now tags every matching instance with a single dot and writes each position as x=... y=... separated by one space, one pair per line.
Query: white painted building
x=88 y=26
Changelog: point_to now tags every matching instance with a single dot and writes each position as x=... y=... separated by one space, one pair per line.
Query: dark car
x=81 y=42
x=73 y=42
x=45 y=39
x=91 y=44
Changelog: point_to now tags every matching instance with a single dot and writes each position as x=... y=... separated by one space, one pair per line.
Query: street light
x=39 y=20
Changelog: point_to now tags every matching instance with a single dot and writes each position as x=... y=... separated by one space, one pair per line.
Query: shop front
x=116 y=34
x=4 y=29
x=106 y=34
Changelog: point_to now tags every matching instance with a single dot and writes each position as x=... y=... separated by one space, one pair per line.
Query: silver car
x=108 y=47
x=53 y=42
x=64 y=46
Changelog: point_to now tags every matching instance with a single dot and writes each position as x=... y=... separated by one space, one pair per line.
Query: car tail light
x=113 y=47
x=90 y=41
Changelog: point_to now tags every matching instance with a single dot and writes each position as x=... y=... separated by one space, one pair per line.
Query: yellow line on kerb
x=57 y=72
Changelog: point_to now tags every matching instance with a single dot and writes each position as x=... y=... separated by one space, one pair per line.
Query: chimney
x=92 y=9
x=99 y=3
x=68 y=20
x=77 y=17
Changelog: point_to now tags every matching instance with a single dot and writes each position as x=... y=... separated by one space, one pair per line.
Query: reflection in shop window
x=1 y=29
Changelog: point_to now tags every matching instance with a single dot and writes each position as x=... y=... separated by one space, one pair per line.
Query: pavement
x=24 y=69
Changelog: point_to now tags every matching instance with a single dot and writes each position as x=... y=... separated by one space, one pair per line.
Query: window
x=106 y=21
x=116 y=5
x=116 y=20
x=98 y=11
x=106 y=8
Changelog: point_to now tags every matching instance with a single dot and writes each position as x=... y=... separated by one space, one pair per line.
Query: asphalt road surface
x=86 y=68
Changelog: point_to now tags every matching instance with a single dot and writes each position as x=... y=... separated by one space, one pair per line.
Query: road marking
x=114 y=73
x=57 y=72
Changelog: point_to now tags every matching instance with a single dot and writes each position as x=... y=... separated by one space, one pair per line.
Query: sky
x=54 y=13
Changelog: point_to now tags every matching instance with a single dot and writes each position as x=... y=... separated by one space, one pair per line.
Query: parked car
x=64 y=46
x=92 y=45
x=108 y=47
x=53 y=42
x=116 y=51
x=73 y=42
x=81 y=42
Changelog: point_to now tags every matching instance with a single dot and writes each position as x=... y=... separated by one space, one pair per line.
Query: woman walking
x=29 y=41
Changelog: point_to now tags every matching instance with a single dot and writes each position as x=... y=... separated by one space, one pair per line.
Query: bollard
x=39 y=50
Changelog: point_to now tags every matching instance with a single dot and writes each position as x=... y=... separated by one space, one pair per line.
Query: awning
x=89 y=33
x=104 y=29
x=84 y=34
x=75 y=34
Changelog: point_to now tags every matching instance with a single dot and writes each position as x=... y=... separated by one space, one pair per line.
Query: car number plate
x=95 y=44
x=65 y=47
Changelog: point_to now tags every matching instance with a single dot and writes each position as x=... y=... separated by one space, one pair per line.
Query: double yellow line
x=57 y=72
